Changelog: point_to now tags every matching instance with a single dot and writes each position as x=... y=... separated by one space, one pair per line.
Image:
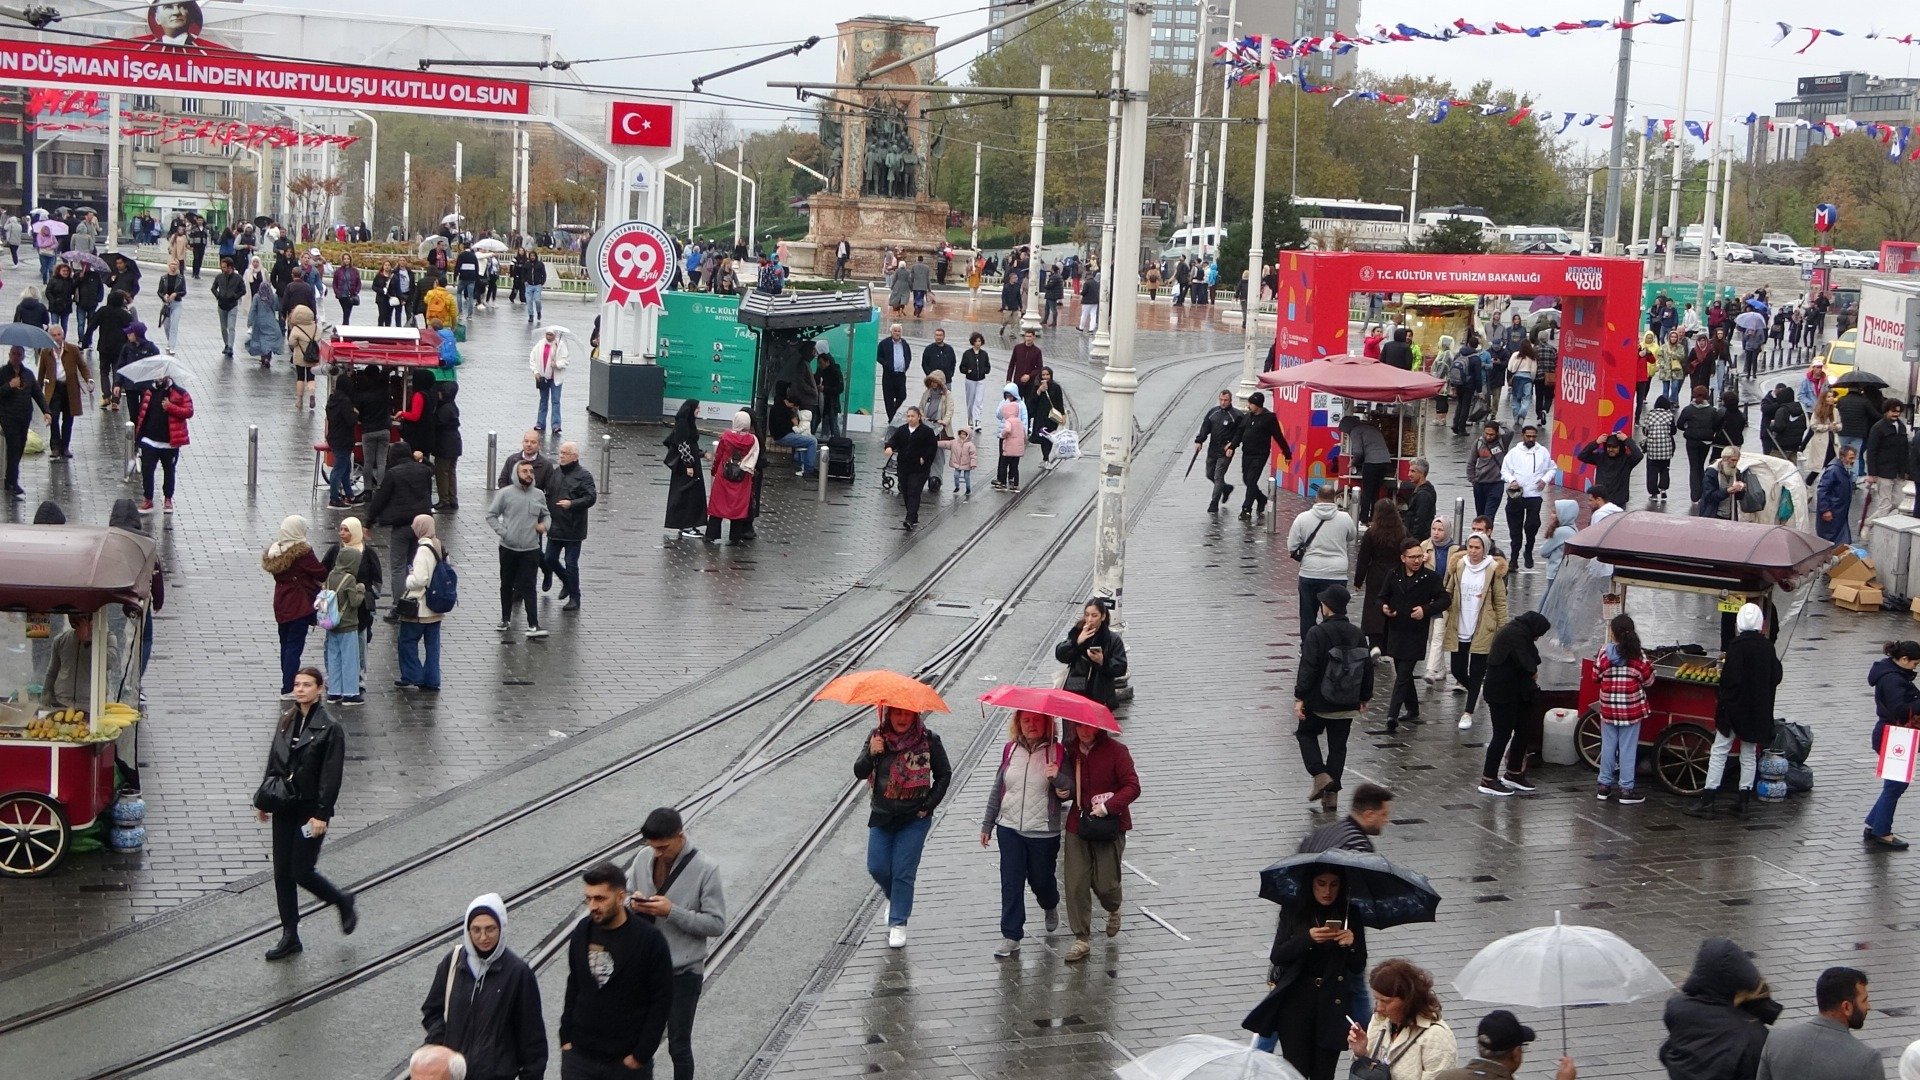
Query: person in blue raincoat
x=1833 y=505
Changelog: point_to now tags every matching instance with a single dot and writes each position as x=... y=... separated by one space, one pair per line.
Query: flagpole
x=1709 y=219
x=1673 y=204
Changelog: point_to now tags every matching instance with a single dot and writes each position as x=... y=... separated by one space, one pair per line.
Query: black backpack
x=1347 y=676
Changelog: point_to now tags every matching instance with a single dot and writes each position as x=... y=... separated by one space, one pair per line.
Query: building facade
x=1850 y=95
x=1185 y=31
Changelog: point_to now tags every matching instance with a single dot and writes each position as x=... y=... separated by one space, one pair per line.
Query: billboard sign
x=1823 y=86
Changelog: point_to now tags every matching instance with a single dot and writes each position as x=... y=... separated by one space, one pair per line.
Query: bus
x=1348 y=223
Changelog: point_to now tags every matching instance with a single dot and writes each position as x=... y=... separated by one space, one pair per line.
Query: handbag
x=275 y=795
x=1299 y=551
x=1375 y=1067
x=732 y=471
x=1094 y=830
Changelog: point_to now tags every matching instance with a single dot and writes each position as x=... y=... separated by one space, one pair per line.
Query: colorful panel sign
x=193 y=66
x=709 y=356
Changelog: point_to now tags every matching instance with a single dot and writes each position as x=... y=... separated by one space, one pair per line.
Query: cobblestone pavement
x=658 y=613
x=1213 y=660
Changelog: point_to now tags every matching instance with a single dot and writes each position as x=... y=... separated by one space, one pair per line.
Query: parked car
x=1804 y=256
x=1768 y=256
x=1735 y=253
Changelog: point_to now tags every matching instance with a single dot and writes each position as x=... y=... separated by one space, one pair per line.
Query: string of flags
x=54 y=111
x=1339 y=44
x=1815 y=33
x=1898 y=138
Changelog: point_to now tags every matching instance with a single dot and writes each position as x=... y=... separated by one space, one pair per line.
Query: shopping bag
x=1897 y=748
x=1066 y=444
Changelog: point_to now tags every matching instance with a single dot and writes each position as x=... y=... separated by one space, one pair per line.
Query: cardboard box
x=1914 y=608
x=1857 y=597
x=1851 y=569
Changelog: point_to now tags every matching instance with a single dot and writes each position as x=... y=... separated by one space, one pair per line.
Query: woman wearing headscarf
x=352 y=568
x=732 y=496
x=298 y=794
x=264 y=336
x=420 y=624
x=906 y=768
x=686 y=491
x=303 y=333
x=485 y=1002
x=1748 y=678
x=1316 y=950
x=1477 y=582
x=1512 y=684
x=296 y=581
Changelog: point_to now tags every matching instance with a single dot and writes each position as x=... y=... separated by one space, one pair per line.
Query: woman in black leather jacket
x=309 y=750
x=1095 y=656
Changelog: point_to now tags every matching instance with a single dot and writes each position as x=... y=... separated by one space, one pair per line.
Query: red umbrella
x=1359 y=377
x=1062 y=703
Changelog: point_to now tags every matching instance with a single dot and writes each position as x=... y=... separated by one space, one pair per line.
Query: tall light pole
x=373 y=167
x=974 y=243
x=1617 y=152
x=1206 y=181
x=1713 y=156
x=1726 y=204
x=1673 y=197
x=1102 y=345
x=739 y=190
x=1256 y=235
x=1119 y=384
x=1193 y=140
x=1226 y=102
x=1639 y=186
x=459 y=165
x=406 y=195
x=1030 y=320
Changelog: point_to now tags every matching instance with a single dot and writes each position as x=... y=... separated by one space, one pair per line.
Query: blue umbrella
x=25 y=335
x=1378 y=894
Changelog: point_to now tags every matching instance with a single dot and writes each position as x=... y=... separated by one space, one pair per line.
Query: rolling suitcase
x=840 y=458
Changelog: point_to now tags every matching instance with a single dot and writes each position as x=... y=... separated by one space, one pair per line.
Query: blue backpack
x=443 y=588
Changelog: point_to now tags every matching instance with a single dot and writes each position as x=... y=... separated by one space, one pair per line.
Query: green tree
x=1279 y=231
x=1453 y=236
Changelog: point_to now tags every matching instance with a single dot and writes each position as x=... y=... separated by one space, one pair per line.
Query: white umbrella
x=152 y=368
x=560 y=331
x=1561 y=965
x=489 y=244
x=451 y=218
x=1207 y=1057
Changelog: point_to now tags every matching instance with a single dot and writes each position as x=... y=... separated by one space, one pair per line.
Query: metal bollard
x=493 y=460
x=133 y=452
x=820 y=469
x=1459 y=518
x=253 y=459
x=606 y=466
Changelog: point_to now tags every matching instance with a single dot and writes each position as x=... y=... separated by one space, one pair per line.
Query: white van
x=1431 y=218
x=1199 y=240
x=1538 y=237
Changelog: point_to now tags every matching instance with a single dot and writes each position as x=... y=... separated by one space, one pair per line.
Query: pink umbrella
x=1050 y=702
x=1359 y=377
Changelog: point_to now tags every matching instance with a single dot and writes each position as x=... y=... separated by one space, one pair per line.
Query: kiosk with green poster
x=709 y=354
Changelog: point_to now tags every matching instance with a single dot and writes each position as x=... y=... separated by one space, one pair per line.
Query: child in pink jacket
x=1013 y=438
x=960 y=454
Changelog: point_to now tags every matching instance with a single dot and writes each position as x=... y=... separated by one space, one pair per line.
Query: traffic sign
x=1825 y=217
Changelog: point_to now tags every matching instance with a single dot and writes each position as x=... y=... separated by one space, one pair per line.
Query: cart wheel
x=1680 y=759
x=1586 y=738
x=33 y=834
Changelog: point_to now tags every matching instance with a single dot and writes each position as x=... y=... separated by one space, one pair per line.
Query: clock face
x=868 y=45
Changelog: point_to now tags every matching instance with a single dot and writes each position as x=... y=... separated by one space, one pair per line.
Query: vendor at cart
x=69 y=680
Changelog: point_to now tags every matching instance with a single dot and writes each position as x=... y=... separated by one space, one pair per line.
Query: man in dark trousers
x=1259 y=433
x=570 y=493
x=619 y=985
x=894 y=357
x=1314 y=711
x=1613 y=458
x=915 y=446
x=679 y=890
x=1413 y=598
x=938 y=356
x=404 y=494
x=1886 y=458
x=1219 y=430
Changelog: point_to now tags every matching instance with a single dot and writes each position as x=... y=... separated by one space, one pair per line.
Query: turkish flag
x=637 y=123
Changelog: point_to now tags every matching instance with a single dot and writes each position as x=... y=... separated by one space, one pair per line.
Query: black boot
x=349 y=917
x=1704 y=807
x=1740 y=803
x=288 y=945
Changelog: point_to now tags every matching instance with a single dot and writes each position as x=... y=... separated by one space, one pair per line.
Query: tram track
x=755 y=760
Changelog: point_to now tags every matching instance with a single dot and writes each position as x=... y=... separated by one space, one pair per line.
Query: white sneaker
x=1457 y=688
x=1502 y=792
x=537 y=632
x=897 y=937
x=1007 y=947
x=1466 y=723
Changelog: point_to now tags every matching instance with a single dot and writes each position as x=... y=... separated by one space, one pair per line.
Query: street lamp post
x=1617 y=150
x=1707 y=219
x=739 y=180
x=1187 y=214
x=406 y=195
x=1226 y=86
x=974 y=244
x=1256 y=236
x=1639 y=191
x=1119 y=384
x=373 y=167
x=1102 y=345
x=1673 y=196
x=1036 y=223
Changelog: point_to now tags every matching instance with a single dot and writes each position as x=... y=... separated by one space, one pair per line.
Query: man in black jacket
x=1399 y=351
x=1256 y=438
x=1218 y=430
x=1859 y=410
x=1424 y=503
x=619 y=985
x=228 y=290
x=1613 y=458
x=1316 y=714
x=892 y=358
x=938 y=356
x=1413 y=598
x=446 y=445
x=372 y=399
x=1696 y=424
x=570 y=493
x=405 y=493
x=1886 y=459
x=916 y=447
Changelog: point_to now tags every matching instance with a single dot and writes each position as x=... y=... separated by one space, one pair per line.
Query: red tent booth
x=1599 y=327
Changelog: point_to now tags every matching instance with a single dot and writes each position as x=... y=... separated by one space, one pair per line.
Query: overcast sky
x=1574 y=72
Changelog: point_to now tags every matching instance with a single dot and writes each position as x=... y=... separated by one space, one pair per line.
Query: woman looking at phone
x=1406 y=1040
x=1315 y=949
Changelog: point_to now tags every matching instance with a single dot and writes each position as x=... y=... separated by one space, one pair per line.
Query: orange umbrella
x=882 y=688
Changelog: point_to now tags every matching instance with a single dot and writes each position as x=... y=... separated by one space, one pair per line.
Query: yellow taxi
x=1838 y=355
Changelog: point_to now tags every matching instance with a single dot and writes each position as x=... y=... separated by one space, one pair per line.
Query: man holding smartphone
x=678 y=891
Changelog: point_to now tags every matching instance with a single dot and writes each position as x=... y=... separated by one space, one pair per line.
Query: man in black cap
x=1332 y=687
x=1501 y=1045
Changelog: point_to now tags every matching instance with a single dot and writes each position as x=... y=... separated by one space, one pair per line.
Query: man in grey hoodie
x=678 y=890
x=1320 y=538
x=519 y=514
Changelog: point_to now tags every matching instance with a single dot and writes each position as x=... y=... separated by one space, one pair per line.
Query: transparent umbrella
x=1561 y=965
x=1207 y=1057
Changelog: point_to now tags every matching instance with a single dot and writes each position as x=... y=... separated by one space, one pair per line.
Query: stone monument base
x=871 y=226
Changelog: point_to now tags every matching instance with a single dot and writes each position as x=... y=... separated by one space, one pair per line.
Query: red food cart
x=1379 y=395
x=396 y=350
x=66 y=687
x=1682 y=579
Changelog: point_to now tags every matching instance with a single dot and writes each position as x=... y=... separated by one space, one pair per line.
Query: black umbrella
x=1378 y=894
x=1861 y=380
x=262 y=221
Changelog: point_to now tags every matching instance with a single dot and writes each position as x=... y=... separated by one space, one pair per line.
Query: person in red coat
x=1099 y=782
x=732 y=500
x=160 y=425
x=297 y=577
